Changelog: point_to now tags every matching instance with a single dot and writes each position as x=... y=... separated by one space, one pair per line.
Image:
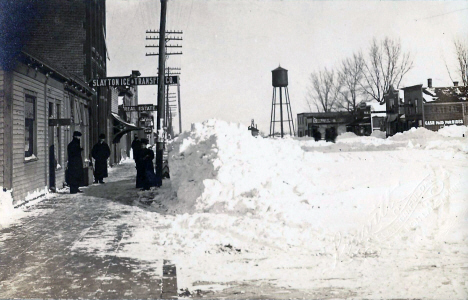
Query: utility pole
x=161 y=109
x=161 y=106
x=180 y=113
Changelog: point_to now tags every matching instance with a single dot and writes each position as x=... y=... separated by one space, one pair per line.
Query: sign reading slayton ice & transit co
x=127 y=81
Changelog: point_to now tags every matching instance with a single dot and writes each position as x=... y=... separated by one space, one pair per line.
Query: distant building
x=310 y=123
x=368 y=117
x=435 y=107
x=395 y=120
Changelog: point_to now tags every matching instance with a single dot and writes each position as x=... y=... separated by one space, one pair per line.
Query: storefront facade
x=40 y=108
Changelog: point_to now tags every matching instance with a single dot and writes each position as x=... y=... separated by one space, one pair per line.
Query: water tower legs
x=288 y=110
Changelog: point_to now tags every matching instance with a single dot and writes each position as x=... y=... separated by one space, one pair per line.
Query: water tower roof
x=279 y=69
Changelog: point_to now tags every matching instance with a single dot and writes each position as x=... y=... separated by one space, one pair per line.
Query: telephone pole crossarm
x=157 y=54
x=167 y=46
x=167 y=32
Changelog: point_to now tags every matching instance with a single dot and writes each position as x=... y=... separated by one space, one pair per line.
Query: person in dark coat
x=136 y=147
x=146 y=166
x=100 y=153
x=75 y=164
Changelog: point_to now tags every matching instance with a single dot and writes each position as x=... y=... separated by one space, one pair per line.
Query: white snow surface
x=370 y=217
x=8 y=214
x=295 y=211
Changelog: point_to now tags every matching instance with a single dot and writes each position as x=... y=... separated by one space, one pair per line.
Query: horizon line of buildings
x=410 y=107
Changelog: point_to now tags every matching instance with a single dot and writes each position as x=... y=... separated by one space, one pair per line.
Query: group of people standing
x=143 y=156
x=100 y=153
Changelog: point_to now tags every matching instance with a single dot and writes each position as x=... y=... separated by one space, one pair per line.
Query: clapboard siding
x=31 y=176
x=28 y=176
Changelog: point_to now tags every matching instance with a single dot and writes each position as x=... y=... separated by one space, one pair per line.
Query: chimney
x=429 y=82
x=455 y=83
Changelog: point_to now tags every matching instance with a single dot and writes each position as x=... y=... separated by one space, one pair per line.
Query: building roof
x=445 y=94
x=57 y=71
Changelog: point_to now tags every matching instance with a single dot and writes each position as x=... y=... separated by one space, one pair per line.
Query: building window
x=416 y=106
x=29 y=125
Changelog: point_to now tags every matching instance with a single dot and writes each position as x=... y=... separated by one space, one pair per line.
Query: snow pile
x=379 y=134
x=8 y=214
x=347 y=135
x=219 y=168
x=454 y=131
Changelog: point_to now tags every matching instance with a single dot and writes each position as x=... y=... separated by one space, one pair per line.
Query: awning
x=121 y=127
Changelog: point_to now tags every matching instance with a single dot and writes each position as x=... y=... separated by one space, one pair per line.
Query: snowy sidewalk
x=38 y=260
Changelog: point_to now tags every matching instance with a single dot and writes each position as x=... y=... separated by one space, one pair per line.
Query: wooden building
x=41 y=106
x=308 y=123
x=395 y=121
x=435 y=107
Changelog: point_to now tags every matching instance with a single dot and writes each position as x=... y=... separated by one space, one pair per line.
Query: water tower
x=280 y=80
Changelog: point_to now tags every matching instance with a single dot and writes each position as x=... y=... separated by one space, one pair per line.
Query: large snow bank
x=220 y=168
x=256 y=193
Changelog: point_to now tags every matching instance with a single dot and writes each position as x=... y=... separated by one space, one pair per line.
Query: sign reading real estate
x=128 y=81
x=142 y=107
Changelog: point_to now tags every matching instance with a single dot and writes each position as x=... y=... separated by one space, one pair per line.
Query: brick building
x=71 y=34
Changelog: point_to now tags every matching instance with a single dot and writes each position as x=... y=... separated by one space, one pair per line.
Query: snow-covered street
x=245 y=217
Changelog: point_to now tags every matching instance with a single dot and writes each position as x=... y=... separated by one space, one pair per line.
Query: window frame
x=31 y=123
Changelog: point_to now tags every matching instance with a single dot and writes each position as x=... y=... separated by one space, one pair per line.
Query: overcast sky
x=231 y=46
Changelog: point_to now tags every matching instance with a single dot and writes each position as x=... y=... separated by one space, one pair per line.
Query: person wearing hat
x=145 y=167
x=74 y=175
x=100 y=153
x=136 y=146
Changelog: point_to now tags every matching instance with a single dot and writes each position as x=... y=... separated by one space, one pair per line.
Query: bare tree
x=351 y=77
x=461 y=49
x=323 y=90
x=386 y=66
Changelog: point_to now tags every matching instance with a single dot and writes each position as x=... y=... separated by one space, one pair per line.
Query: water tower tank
x=280 y=77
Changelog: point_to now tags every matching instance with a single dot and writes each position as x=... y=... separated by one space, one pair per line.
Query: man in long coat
x=75 y=164
x=100 y=153
x=136 y=147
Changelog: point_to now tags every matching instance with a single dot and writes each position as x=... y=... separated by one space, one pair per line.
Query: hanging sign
x=142 y=107
x=128 y=81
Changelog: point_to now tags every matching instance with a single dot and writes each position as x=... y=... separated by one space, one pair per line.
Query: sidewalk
x=37 y=258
